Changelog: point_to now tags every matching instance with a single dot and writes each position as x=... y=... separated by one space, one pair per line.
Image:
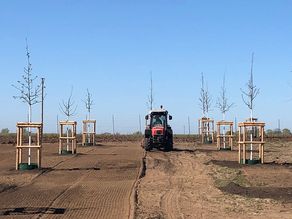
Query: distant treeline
x=10 y=138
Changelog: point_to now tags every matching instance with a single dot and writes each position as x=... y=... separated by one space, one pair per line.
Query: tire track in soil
x=167 y=202
x=41 y=172
x=134 y=193
x=180 y=185
x=170 y=200
x=59 y=196
x=171 y=180
x=105 y=193
x=108 y=194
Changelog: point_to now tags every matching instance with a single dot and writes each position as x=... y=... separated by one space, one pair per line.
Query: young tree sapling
x=88 y=105
x=224 y=106
x=29 y=93
x=205 y=100
x=69 y=109
x=248 y=98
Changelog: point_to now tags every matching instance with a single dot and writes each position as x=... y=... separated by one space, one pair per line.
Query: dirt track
x=190 y=183
x=193 y=181
x=97 y=183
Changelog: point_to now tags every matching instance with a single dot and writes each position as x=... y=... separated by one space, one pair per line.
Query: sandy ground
x=105 y=181
x=97 y=183
x=197 y=181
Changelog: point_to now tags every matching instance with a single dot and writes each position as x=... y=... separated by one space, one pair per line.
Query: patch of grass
x=224 y=175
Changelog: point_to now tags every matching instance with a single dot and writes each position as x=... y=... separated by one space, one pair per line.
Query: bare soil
x=96 y=183
x=197 y=181
x=111 y=181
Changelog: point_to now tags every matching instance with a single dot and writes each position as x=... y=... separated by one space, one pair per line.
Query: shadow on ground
x=225 y=163
x=184 y=150
x=236 y=165
x=31 y=210
x=276 y=193
x=70 y=169
x=4 y=187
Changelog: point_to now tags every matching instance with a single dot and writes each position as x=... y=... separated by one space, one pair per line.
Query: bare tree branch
x=222 y=102
x=28 y=92
x=68 y=107
x=252 y=92
x=205 y=99
x=88 y=102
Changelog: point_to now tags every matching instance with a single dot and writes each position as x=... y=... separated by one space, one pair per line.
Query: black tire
x=147 y=144
x=169 y=145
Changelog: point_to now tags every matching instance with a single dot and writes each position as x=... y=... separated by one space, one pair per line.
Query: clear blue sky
x=111 y=46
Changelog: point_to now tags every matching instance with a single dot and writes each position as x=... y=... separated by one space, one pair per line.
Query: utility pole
x=42 y=116
x=235 y=125
x=189 y=124
x=57 y=124
x=140 y=128
x=279 y=127
x=184 y=129
x=113 y=120
x=151 y=92
x=150 y=96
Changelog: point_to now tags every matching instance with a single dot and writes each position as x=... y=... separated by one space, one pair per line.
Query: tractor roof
x=158 y=111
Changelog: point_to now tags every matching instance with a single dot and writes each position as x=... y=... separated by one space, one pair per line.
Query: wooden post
x=239 y=144
x=262 y=144
x=199 y=130
x=257 y=140
x=206 y=129
x=231 y=139
x=218 y=137
x=88 y=133
x=17 y=152
x=223 y=137
x=20 y=144
x=244 y=146
x=72 y=138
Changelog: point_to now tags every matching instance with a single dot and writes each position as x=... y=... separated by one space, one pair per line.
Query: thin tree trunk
x=29 y=134
x=88 y=129
x=67 y=134
x=224 y=139
x=251 y=138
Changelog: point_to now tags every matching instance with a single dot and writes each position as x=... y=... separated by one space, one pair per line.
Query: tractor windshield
x=158 y=120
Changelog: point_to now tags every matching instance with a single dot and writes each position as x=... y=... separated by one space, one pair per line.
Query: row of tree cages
x=68 y=136
x=67 y=128
x=251 y=134
x=29 y=134
x=224 y=133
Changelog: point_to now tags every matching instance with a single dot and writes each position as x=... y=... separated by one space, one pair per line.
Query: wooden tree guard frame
x=20 y=144
x=206 y=129
x=68 y=139
x=225 y=137
x=88 y=133
x=258 y=129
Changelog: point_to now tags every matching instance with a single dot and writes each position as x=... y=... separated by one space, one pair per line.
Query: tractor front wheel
x=147 y=144
x=169 y=145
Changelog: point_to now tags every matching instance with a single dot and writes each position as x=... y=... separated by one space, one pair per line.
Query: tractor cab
x=158 y=133
x=158 y=118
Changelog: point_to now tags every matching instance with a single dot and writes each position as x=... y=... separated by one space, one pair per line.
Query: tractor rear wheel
x=147 y=144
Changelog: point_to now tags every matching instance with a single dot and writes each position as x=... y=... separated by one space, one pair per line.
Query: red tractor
x=158 y=134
